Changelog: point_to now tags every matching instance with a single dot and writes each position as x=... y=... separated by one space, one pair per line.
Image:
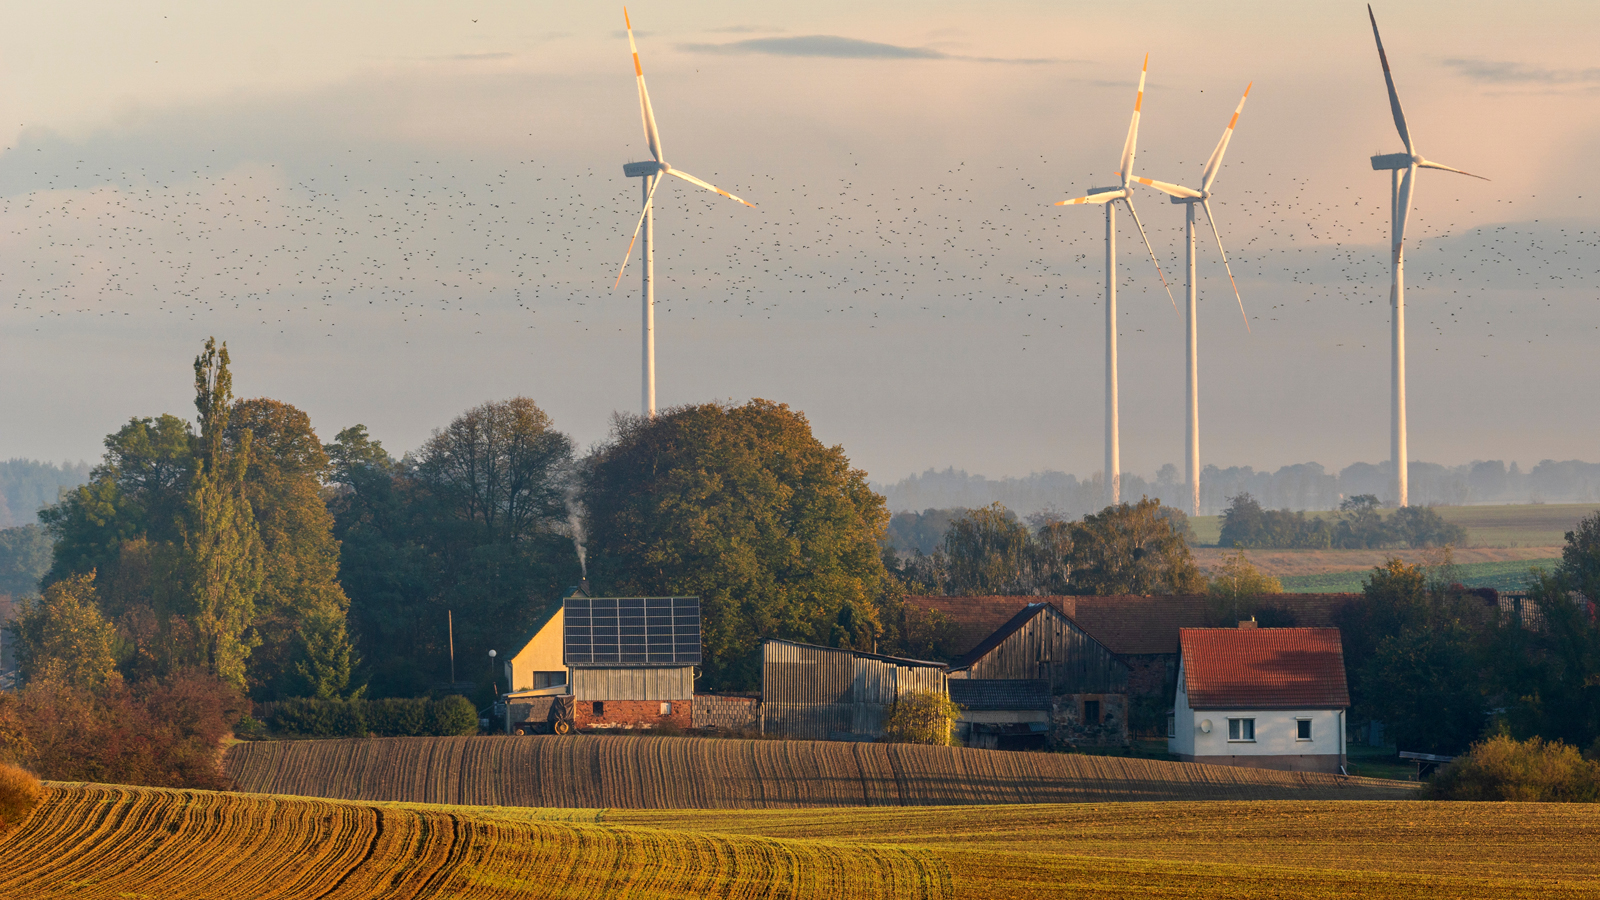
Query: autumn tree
x=1131 y=549
x=1234 y=584
x=63 y=638
x=743 y=507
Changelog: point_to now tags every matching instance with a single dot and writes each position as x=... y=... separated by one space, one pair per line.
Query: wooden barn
x=1086 y=684
x=824 y=693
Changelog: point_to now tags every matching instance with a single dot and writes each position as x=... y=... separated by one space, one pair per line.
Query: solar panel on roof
x=632 y=631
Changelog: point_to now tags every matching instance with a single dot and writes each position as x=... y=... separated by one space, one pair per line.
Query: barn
x=825 y=693
x=624 y=663
x=1084 y=700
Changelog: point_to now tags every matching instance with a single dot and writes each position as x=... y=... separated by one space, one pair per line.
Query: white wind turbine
x=1400 y=188
x=1189 y=197
x=651 y=173
x=1108 y=196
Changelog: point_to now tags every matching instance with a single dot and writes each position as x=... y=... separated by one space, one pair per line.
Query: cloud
x=831 y=46
x=745 y=29
x=1499 y=72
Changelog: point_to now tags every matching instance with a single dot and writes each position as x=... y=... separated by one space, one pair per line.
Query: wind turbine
x=1400 y=188
x=651 y=172
x=1189 y=197
x=1108 y=196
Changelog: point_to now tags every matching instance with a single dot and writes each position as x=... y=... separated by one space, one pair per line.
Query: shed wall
x=633 y=683
x=1052 y=648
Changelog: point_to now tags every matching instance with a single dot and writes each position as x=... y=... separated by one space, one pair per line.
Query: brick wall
x=631 y=714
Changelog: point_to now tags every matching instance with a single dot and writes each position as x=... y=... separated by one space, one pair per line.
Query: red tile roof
x=1129 y=625
x=1264 y=668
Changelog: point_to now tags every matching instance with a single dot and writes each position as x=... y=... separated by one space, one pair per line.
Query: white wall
x=1275 y=730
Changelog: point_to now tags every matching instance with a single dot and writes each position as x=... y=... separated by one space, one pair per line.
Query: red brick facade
x=631 y=714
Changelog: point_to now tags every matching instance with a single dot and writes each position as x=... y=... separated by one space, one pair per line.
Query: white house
x=1271 y=698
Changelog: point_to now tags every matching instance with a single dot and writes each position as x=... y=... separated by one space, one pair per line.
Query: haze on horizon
x=393 y=212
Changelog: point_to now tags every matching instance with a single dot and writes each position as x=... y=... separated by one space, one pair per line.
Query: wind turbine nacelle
x=1392 y=161
x=641 y=169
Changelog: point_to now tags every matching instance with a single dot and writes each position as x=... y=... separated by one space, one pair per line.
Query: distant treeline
x=28 y=485
x=1305 y=486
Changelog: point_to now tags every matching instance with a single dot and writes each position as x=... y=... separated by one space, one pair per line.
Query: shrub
x=398 y=717
x=19 y=794
x=921 y=718
x=1501 y=768
x=306 y=717
x=451 y=716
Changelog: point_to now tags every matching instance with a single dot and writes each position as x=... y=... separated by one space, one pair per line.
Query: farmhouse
x=825 y=693
x=607 y=662
x=1085 y=697
x=1272 y=698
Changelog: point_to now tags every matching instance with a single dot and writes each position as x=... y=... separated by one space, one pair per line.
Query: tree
x=63 y=637
x=1234 y=584
x=988 y=552
x=1362 y=526
x=1131 y=549
x=743 y=507
x=921 y=718
x=214 y=572
x=24 y=559
x=301 y=603
x=1424 y=685
x=1580 y=558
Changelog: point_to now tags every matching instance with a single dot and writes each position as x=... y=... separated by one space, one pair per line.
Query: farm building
x=824 y=693
x=624 y=662
x=1085 y=698
x=1002 y=715
x=1272 y=698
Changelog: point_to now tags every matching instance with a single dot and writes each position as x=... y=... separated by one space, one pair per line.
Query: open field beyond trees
x=101 y=841
x=1527 y=525
x=682 y=773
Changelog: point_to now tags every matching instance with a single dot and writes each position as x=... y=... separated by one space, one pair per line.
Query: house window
x=599 y=709
x=666 y=707
x=1302 y=729
x=1241 y=729
x=1091 y=712
x=1172 y=725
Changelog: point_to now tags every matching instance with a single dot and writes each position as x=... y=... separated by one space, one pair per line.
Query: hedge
x=406 y=717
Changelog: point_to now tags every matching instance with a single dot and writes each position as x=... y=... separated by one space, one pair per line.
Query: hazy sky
x=395 y=211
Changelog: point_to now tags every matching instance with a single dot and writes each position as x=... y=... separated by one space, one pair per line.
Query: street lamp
x=493 y=682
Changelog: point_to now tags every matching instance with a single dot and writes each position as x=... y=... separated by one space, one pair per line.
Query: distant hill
x=28 y=485
x=1304 y=486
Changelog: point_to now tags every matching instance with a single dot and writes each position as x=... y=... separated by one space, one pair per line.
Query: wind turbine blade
x=710 y=187
x=1103 y=197
x=1214 y=164
x=1130 y=145
x=1394 y=98
x=651 y=135
x=1225 y=266
x=1408 y=182
x=642 y=213
x=1135 y=213
x=1427 y=164
x=1176 y=190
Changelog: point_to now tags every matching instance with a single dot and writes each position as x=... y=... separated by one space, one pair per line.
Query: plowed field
x=103 y=842
x=88 y=841
x=690 y=773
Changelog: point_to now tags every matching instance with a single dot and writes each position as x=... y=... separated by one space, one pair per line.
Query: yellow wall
x=542 y=654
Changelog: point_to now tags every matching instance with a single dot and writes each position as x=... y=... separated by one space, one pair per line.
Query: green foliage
x=1131 y=549
x=1246 y=524
x=1580 y=558
x=921 y=718
x=24 y=558
x=927 y=634
x=1502 y=768
x=1234 y=590
x=393 y=717
x=63 y=638
x=988 y=552
x=476 y=524
x=1546 y=665
x=743 y=507
x=1427 y=692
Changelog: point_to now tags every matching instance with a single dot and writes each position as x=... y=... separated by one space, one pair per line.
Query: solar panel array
x=632 y=631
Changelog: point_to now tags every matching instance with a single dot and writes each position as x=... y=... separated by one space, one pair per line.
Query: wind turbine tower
x=1400 y=188
x=1189 y=197
x=651 y=172
x=1108 y=196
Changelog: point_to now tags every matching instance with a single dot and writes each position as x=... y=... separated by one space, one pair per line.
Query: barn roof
x=1128 y=625
x=995 y=693
x=1264 y=668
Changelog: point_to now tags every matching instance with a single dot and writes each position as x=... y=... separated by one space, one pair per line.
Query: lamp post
x=493 y=681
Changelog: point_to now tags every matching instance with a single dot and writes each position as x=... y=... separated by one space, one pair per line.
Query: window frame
x=1303 y=724
x=1237 y=728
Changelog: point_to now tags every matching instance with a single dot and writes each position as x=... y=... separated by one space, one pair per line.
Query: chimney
x=583 y=587
x=1249 y=624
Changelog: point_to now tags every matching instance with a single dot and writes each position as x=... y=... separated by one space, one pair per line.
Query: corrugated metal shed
x=1040 y=642
x=641 y=683
x=823 y=692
